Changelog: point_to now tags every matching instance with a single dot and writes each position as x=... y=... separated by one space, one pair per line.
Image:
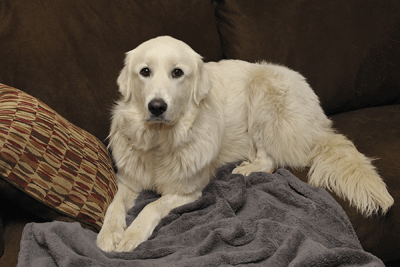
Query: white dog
x=179 y=119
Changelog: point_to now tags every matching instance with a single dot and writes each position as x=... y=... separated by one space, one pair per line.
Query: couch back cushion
x=69 y=53
x=349 y=50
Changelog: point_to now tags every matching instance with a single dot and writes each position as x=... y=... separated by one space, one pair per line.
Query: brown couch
x=68 y=54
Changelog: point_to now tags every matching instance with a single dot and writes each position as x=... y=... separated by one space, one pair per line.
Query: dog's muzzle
x=157 y=108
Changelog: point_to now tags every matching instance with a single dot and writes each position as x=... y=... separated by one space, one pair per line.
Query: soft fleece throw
x=259 y=220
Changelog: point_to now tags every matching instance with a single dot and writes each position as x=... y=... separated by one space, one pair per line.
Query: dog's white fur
x=264 y=114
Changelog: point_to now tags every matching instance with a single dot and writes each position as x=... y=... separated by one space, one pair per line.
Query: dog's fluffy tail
x=338 y=166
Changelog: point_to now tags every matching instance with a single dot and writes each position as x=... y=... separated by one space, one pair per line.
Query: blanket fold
x=259 y=220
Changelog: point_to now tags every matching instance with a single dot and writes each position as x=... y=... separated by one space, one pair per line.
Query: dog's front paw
x=138 y=232
x=134 y=236
x=128 y=243
x=110 y=236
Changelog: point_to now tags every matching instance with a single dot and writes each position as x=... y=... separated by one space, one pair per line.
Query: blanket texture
x=259 y=220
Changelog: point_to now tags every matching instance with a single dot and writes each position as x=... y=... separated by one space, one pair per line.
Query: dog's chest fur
x=164 y=160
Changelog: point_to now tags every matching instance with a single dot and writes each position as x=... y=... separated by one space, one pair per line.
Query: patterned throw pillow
x=53 y=161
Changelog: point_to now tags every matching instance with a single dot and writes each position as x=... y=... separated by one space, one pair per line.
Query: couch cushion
x=69 y=53
x=348 y=50
x=50 y=167
x=376 y=133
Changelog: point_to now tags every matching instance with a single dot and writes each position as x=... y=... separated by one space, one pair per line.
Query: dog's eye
x=176 y=73
x=145 y=72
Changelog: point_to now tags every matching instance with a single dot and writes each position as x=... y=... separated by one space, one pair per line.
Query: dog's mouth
x=155 y=120
x=158 y=121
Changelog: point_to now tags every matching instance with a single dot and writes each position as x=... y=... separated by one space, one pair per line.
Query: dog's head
x=162 y=77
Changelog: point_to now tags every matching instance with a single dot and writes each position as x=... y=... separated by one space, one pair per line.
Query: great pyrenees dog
x=179 y=119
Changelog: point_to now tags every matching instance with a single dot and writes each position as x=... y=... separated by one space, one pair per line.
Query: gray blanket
x=259 y=220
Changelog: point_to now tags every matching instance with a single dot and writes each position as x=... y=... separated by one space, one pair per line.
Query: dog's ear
x=124 y=80
x=202 y=83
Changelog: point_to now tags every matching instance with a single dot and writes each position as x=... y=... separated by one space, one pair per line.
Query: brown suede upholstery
x=69 y=53
x=347 y=50
x=376 y=132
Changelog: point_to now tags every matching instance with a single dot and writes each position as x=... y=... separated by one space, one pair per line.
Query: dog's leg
x=142 y=227
x=114 y=222
x=262 y=163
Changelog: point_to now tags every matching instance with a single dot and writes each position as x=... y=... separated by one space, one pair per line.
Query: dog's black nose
x=157 y=107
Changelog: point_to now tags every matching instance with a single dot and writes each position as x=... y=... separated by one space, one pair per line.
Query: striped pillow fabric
x=53 y=161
